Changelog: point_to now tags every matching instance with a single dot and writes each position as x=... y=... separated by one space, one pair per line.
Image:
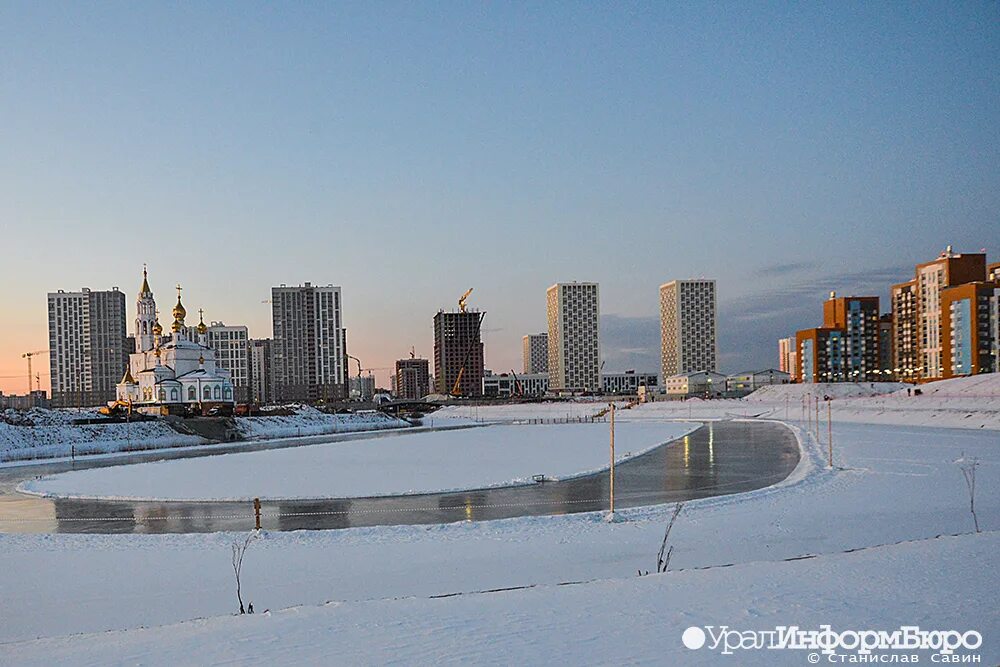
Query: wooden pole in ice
x=829 y=430
x=612 y=478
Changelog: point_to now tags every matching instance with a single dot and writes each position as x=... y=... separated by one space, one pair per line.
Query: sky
x=409 y=151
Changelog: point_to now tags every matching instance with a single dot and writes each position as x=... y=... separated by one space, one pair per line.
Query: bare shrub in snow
x=969 y=472
x=663 y=557
x=239 y=551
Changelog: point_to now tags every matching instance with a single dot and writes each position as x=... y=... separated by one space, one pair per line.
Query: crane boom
x=28 y=356
x=461 y=299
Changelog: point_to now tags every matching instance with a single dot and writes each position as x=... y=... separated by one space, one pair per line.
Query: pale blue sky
x=408 y=151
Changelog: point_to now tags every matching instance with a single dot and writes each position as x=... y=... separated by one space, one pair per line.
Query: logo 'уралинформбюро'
x=844 y=646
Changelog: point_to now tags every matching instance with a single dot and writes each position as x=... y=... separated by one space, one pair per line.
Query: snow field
x=891 y=485
x=639 y=620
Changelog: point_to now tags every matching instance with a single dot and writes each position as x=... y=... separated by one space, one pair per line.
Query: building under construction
x=458 y=353
x=412 y=378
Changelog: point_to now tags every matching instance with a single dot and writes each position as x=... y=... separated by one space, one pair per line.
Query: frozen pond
x=716 y=459
x=410 y=463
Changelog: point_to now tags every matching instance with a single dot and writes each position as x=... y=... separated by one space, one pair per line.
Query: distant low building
x=629 y=382
x=744 y=383
x=35 y=399
x=705 y=384
x=504 y=385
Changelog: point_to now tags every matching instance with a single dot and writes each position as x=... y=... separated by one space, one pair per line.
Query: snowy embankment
x=408 y=463
x=40 y=434
x=891 y=485
x=970 y=402
x=46 y=434
x=308 y=420
x=552 y=411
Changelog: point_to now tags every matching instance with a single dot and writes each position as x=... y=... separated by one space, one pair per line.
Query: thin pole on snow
x=612 y=471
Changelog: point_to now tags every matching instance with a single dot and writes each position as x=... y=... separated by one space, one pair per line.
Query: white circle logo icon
x=693 y=637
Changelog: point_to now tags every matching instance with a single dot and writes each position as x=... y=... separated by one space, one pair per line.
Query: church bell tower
x=145 y=319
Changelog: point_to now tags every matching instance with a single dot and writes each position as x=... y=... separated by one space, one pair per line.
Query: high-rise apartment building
x=458 y=348
x=574 y=339
x=536 y=353
x=259 y=373
x=905 y=350
x=87 y=353
x=232 y=352
x=788 y=356
x=886 y=351
x=309 y=343
x=858 y=317
x=412 y=379
x=821 y=354
x=688 y=325
x=948 y=270
x=970 y=327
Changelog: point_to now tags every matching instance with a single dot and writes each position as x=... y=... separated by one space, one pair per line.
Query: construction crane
x=461 y=299
x=28 y=356
x=518 y=388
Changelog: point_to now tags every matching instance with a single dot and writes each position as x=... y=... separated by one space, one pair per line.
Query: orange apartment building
x=969 y=328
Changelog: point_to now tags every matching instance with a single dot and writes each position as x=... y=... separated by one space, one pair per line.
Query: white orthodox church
x=175 y=373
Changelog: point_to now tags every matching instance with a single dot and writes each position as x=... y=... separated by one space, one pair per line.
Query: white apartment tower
x=536 y=353
x=87 y=338
x=688 y=326
x=232 y=352
x=787 y=355
x=574 y=337
x=309 y=343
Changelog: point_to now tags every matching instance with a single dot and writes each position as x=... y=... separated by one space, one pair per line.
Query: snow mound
x=40 y=433
x=780 y=392
x=973 y=386
x=307 y=420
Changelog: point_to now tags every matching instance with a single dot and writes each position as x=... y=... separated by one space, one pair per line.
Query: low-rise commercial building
x=702 y=384
x=746 y=382
x=505 y=385
x=628 y=383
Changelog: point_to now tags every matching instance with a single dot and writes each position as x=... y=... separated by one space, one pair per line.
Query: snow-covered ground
x=639 y=620
x=308 y=420
x=46 y=434
x=39 y=433
x=409 y=463
x=971 y=402
x=893 y=484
